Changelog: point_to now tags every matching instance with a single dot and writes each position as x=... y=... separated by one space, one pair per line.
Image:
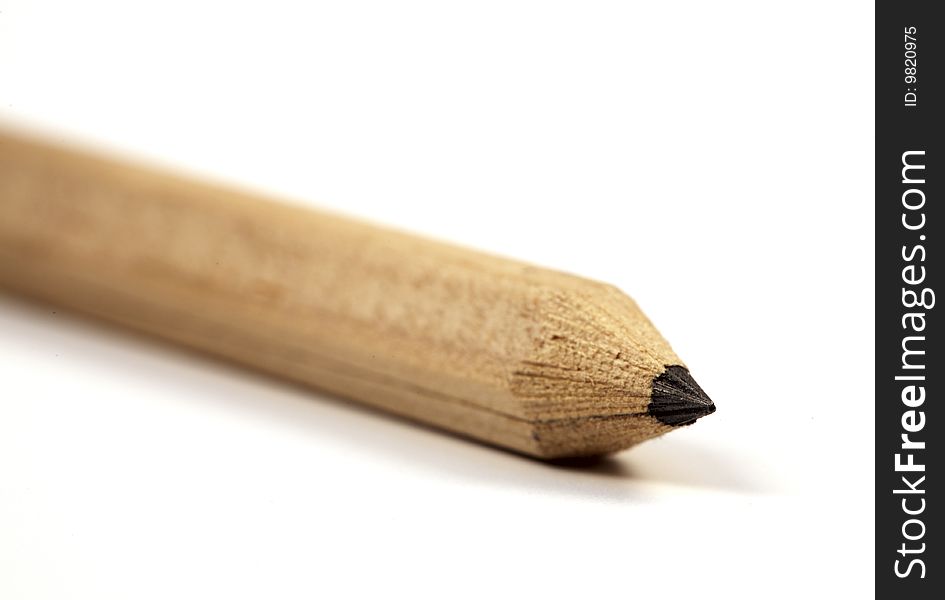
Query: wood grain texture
x=538 y=361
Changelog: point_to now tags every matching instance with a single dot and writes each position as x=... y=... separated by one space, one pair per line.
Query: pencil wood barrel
x=538 y=361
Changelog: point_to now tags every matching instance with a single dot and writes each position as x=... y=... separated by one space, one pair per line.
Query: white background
x=729 y=144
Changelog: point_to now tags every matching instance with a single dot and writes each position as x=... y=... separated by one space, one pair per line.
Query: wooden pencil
x=537 y=361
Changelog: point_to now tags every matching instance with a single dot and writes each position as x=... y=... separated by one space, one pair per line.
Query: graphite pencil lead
x=677 y=399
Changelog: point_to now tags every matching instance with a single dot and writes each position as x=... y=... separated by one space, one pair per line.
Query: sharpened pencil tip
x=676 y=398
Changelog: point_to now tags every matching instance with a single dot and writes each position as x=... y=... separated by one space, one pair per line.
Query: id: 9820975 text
x=911 y=68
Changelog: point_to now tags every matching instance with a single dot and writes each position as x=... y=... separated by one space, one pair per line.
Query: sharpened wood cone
x=677 y=399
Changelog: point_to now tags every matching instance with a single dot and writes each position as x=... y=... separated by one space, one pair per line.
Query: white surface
x=730 y=142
